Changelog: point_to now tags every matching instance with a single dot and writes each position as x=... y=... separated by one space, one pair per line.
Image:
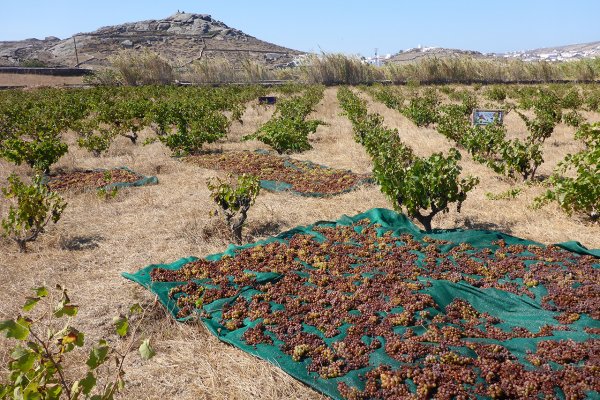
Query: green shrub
x=575 y=183
x=39 y=151
x=592 y=100
x=41 y=366
x=392 y=97
x=495 y=93
x=540 y=128
x=452 y=122
x=423 y=187
x=518 y=157
x=287 y=131
x=422 y=110
x=572 y=99
x=95 y=143
x=483 y=141
x=426 y=186
x=93 y=137
x=286 y=135
x=35 y=207
x=194 y=129
x=234 y=199
x=573 y=118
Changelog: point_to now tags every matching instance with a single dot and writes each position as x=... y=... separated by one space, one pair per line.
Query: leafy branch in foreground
x=39 y=366
x=35 y=207
x=234 y=200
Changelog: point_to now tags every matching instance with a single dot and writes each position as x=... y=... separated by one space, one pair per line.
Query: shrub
x=93 y=137
x=95 y=143
x=103 y=77
x=581 y=192
x=145 y=68
x=39 y=151
x=452 y=122
x=424 y=187
x=194 y=128
x=286 y=135
x=483 y=141
x=337 y=69
x=518 y=157
x=391 y=97
x=573 y=118
x=35 y=207
x=495 y=93
x=33 y=63
x=572 y=99
x=548 y=113
x=234 y=200
x=592 y=100
x=422 y=110
x=40 y=366
x=287 y=131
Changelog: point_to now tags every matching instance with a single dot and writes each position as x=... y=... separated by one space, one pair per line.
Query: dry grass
x=160 y=224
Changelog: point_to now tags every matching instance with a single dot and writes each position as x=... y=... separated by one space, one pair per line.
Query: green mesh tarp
x=142 y=181
x=512 y=310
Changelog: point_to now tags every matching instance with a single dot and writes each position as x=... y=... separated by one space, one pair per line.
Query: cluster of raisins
x=331 y=290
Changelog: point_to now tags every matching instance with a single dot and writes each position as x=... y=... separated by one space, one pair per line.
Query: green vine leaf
x=146 y=350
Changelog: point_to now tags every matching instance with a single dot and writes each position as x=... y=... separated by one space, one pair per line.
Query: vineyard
x=381 y=304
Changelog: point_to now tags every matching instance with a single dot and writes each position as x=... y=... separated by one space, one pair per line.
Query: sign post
x=487 y=117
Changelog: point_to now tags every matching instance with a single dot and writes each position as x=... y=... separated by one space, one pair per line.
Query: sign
x=486 y=117
x=270 y=100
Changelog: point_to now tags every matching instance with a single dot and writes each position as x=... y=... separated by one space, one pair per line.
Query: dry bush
x=221 y=70
x=467 y=69
x=332 y=69
x=104 y=77
x=463 y=69
x=142 y=68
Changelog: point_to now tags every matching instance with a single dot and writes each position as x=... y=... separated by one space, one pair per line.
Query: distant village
x=558 y=54
x=554 y=55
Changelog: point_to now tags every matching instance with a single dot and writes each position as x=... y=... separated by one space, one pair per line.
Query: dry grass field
x=97 y=239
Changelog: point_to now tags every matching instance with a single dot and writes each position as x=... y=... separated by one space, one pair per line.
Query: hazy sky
x=350 y=26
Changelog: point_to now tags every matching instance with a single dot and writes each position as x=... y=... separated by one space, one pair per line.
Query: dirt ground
x=97 y=239
x=33 y=80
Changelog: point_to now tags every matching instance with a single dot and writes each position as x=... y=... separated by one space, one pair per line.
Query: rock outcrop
x=182 y=38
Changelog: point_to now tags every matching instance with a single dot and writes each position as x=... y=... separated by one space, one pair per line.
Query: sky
x=350 y=26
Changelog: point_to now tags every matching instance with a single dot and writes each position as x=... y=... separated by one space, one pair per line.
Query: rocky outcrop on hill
x=181 y=38
x=420 y=53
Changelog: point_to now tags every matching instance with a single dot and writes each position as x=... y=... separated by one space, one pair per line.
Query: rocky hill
x=181 y=38
x=416 y=54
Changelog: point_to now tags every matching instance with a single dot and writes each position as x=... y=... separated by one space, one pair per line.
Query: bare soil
x=33 y=80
